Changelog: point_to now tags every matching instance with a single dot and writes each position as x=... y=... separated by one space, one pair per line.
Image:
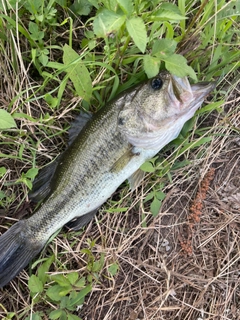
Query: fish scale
x=110 y=149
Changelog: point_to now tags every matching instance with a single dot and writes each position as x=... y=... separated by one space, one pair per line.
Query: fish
x=110 y=148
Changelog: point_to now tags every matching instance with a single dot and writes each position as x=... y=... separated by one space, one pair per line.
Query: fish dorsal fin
x=77 y=125
x=136 y=178
x=42 y=183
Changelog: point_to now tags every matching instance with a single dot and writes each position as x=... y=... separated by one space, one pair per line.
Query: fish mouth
x=186 y=94
x=202 y=89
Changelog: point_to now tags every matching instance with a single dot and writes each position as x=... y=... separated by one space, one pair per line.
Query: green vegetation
x=59 y=57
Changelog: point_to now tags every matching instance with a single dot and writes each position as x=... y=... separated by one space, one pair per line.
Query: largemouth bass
x=110 y=149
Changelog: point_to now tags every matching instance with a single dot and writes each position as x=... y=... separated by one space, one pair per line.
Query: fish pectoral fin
x=80 y=222
x=42 y=183
x=135 y=179
x=16 y=251
x=123 y=161
x=77 y=125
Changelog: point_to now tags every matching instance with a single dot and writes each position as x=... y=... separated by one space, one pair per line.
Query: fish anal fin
x=79 y=222
x=136 y=178
x=16 y=251
x=77 y=125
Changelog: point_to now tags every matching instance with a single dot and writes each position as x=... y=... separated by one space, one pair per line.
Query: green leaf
x=177 y=64
x=106 y=22
x=147 y=167
x=80 y=283
x=6 y=120
x=72 y=277
x=72 y=317
x=44 y=268
x=113 y=269
x=81 y=295
x=98 y=265
x=212 y=106
x=155 y=206
x=60 y=279
x=194 y=144
x=126 y=6
x=151 y=65
x=164 y=47
x=53 y=292
x=3 y=170
x=35 y=285
x=77 y=72
x=55 y=314
x=168 y=11
x=51 y=101
x=34 y=316
x=31 y=173
x=81 y=7
x=160 y=195
x=137 y=30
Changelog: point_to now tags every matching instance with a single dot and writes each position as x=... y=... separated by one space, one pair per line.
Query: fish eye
x=157 y=83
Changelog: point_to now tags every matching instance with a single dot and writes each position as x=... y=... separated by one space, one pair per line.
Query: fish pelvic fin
x=16 y=251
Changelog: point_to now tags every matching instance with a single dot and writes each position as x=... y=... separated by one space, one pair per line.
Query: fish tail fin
x=16 y=251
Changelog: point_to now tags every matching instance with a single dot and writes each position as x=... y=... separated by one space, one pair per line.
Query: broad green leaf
x=147 y=167
x=51 y=101
x=106 y=22
x=3 y=170
x=65 y=290
x=77 y=72
x=98 y=265
x=137 y=30
x=31 y=173
x=113 y=269
x=35 y=285
x=160 y=195
x=53 y=292
x=177 y=64
x=81 y=295
x=55 y=314
x=72 y=277
x=151 y=65
x=34 y=316
x=45 y=268
x=164 y=47
x=72 y=317
x=60 y=279
x=155 y=206
x=6 y=120
x=80 y=283
x=126 y=6
x=81 y=7
x=2 y=195
x=168 y=11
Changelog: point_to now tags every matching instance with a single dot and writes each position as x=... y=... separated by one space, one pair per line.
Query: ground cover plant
x=171 y=249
